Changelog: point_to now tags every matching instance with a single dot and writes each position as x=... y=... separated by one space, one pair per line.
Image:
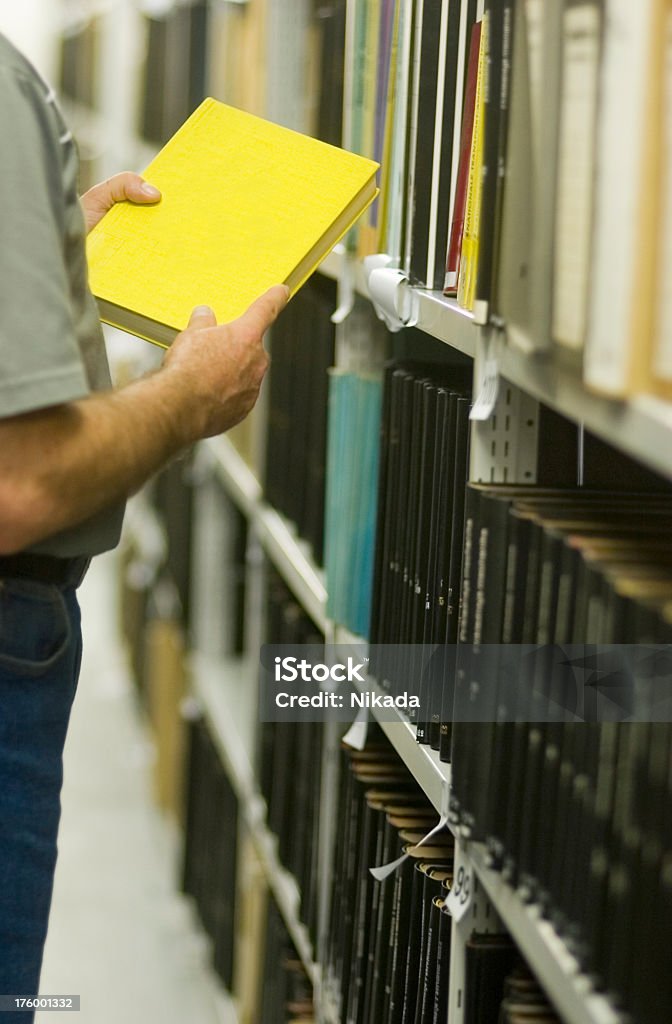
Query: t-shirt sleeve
x=40 y=362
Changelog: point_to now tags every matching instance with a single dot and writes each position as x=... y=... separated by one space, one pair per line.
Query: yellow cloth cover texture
x=243 y=202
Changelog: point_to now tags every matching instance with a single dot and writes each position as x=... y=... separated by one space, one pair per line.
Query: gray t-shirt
x=51 y=341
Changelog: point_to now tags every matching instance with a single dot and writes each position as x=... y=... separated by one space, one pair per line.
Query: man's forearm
x=59 y=466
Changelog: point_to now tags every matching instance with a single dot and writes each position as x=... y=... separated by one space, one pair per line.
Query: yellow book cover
x=466 y=287
x=245 y=204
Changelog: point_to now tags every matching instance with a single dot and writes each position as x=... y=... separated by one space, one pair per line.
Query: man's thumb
x=202 y=316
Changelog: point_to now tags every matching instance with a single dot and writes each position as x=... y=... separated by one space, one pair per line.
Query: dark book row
x=423 y=472
x=211 y=846
x=419 y=549
x=289 y=763
x=388 y=952
x=302 y=350
x=171 y=494
x=572 y=803
x=286 y=992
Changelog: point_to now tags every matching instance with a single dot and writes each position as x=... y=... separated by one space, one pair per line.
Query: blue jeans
x=40 y=655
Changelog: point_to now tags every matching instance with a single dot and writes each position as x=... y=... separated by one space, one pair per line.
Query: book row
x=498 y=125
x=389 y=944
x=215 y=863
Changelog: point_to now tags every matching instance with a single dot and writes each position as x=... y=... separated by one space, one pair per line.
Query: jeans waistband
x=64 y=572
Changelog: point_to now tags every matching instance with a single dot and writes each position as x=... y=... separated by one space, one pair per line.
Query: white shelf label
x=461 y=893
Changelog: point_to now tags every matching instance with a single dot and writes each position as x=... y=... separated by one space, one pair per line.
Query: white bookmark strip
x=384 y=870
x=346 y=292
x=356 y=735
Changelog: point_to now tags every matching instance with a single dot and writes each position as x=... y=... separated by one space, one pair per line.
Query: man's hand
x=101 y=198
x=222 y=366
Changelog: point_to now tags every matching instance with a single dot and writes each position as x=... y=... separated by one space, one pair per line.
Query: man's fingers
x=264 y=310
x=202 y=316
x=120 y=187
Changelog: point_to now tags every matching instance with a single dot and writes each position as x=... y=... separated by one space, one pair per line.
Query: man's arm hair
x=60 y=465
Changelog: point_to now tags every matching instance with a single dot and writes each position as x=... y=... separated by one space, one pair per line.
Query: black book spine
x=432 y=159
x=457 y=571
x=461 y=745
x=430 y=560
x=383 y=522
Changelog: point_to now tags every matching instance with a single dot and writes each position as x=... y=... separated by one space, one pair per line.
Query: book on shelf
x=351 y=500
x=285 y=992
x=245 y=204
x=462 y=177
x=389 y=941
x=581 y=41
x=209 y=870
x=79 y=60
x=522 y=292
x=656 y=213
x=302 y=351
x=495 y=137
x=423 y=446
x=289 y=758
x=173 y=73
x=466 y=281
x=610 y=349
x=650 y=367
x=433 y=103
x=237 y=60
x=572 y=571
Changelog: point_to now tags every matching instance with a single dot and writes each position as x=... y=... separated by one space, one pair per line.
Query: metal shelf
x=207 y=685
x=290 y=555
x=439 y=316
x=431 y=774
x=640 y=426
x=570 y=991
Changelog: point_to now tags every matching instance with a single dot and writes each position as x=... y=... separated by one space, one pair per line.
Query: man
x=71 y=450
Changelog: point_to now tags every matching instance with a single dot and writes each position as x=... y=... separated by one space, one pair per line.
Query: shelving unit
x=209 y=679
x=544 y=950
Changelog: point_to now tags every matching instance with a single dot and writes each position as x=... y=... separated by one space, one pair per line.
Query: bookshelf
x=572 y=992
x=210 y=689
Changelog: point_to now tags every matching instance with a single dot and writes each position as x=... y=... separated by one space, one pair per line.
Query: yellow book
x=245 y=204
x=466 y=287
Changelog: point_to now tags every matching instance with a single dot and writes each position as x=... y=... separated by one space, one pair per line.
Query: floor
x=120 y=935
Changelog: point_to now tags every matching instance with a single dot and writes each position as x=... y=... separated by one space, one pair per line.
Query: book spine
x=466 y=137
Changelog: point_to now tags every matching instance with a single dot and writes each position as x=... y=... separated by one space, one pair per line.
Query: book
x=296 y=423
x=581 y=38
x=466 y=281
x=245 y=204
x=522 y=296
x=494 y=152
x=609 y=351
x=466 y=133
x=431 y=161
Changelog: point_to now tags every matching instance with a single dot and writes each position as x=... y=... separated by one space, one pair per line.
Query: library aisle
x=120 y=936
